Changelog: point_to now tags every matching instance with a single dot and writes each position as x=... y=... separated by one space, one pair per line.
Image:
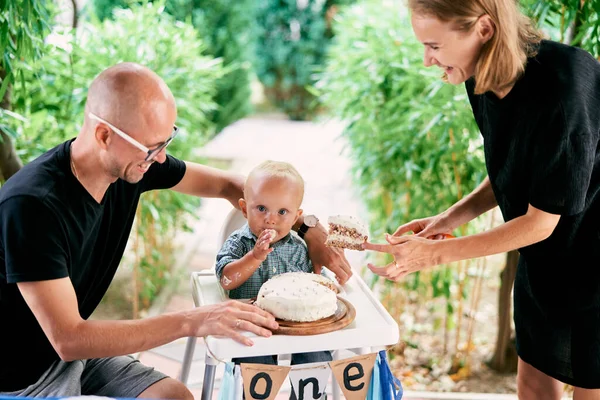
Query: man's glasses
x=150 y=153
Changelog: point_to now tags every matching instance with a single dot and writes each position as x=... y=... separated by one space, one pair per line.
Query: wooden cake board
x=343 y=316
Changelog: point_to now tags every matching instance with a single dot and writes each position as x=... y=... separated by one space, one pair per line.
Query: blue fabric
x=391 y=388
x=374 y=392
x=227 y=390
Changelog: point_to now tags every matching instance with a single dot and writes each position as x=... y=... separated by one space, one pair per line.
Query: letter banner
x=262 y=382
x=310 y=380
x=354 y=375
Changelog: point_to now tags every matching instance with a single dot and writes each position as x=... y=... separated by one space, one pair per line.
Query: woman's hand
x=435 y=227
x=411 y=253
x=330 y=257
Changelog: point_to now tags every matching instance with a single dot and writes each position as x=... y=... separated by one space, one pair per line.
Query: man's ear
x=486 y=28
x=243 y=206
x=103 y=136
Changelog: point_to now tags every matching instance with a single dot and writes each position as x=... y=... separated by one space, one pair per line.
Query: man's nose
x=161 y=157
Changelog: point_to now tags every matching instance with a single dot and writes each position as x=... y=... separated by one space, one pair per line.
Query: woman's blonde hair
x=503 y=58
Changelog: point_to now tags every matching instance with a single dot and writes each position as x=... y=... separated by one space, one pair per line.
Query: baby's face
x=272 y=203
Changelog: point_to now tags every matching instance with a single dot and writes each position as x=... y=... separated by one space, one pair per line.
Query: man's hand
x=330 y=257
x=230 y=319
x=261 y=249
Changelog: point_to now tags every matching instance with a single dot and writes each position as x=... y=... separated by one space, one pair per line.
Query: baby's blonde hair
x=277 y=169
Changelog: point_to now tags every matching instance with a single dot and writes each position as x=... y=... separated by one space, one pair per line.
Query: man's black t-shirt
x=541 y=148
x=50 y=228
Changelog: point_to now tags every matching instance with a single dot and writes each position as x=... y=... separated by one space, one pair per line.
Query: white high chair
x=372 y=330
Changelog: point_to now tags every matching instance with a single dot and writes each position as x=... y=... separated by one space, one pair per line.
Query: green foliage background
x=292 y=41
x=573 y=21
x=226 y=29
x=23 y=25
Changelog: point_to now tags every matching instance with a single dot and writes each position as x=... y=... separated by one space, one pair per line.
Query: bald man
x=64 y=223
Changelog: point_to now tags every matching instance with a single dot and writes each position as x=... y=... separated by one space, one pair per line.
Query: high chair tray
x=372 y=326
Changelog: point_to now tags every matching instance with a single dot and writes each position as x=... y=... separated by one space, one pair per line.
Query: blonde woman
x=537 y=104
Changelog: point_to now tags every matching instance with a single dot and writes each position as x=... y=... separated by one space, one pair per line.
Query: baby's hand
x=272 y=233
x=261 y=248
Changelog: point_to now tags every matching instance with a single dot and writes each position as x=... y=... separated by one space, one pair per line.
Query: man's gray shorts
x=108 y=377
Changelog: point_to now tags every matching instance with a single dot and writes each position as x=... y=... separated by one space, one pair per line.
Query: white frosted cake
x=347 y=232
x=298 y=296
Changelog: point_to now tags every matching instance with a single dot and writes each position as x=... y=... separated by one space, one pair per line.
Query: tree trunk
x=75 y=14
x=505 y=354
x=10 y=162
x=573 y=29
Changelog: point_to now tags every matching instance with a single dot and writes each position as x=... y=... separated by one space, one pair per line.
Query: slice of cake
x=347 y=232
x=298 y=296
x=272 y=233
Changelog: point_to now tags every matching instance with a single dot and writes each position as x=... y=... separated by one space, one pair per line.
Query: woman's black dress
x=541 y=148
